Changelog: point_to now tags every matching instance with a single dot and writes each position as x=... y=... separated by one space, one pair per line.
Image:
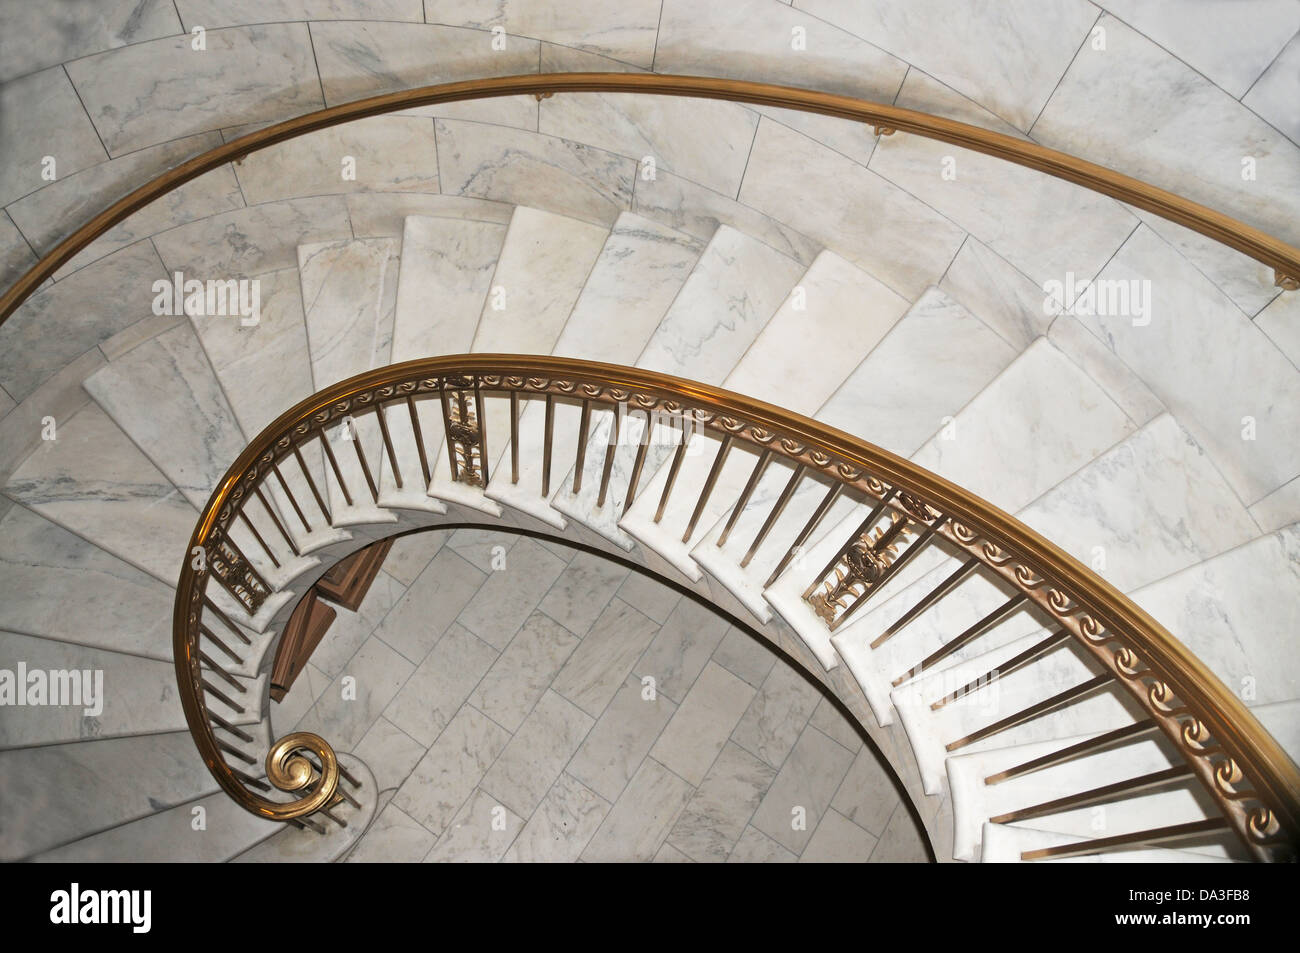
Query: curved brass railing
x=1251 y=778
x=1284 y=259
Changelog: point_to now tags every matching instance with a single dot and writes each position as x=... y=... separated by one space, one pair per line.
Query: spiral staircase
x=690 y=393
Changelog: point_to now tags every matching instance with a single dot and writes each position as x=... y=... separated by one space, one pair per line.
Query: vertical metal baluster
x=365 y=467
x=929 y=599
x=831 y=496
x=546 y=445
x=745 y=494
x=514 y=436
x=257 y=490
x=451 y=441
x=639 y=463
x=388 y=446
x=419 y=440
x=482 y=433
x=334 y=465
x=709 y=483
x=608 y=467
x=777 y=509
x=582 y=446
x=289 y=493
x=297 y=453
x=258 y=536
x=676 y=465
x=239 y=633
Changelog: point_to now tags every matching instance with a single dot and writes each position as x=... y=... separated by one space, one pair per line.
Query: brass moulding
x=1286 y=282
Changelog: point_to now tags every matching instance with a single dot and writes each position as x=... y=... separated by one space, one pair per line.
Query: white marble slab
x=525 y=168
x=1159 y=134
x=245 y=74
x=1069 y=336
x=41 y=116
x=729 y=297
x=88 y=307
x=924 y=93
x=1276 y=93
x=1007 y=59
x=387 y=153
x=166 y=397
x=54 y=583
x=626 y=31
x=219 y=13
x=704 y=140
x=639 y=272
x=869 y=221
x=16 y=255
x=33 y=36
x=59 y=397
x=1280 y=508
x=999 y=294
x=384 y=214
x=1209 y=364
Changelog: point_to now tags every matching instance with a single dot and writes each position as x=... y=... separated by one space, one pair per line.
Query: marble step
x=56 y=794
x=885 y=401
x=638 y=274
x=264 y=369
x=1010 y=444
x=733 y=290
x=211 y=829
x=54 y=584
x=1149 y=507
x=1004 y=843
x=544 y=263
x=828 y=324
x=349 y=293
x=116 y=695
x=165 y=396
x=447 y=267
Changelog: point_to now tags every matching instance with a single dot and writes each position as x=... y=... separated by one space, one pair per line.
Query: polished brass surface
x=928 y=600
x=1101 y=742
x=1151 y=838
x=1018 y=661
x=1099 y=795
x=759 y=466
x=1230 y=755
x=1036 y=710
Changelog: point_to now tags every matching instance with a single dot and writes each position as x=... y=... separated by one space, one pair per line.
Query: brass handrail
x=1246 y=771
x=1284 y=259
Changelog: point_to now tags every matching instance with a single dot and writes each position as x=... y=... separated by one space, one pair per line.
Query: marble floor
x=521 y=700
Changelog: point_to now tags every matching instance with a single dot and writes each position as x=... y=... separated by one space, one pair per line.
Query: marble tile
x=410 y=554
x=451 y=769
x=620 y=739
x=483 y=548
x=393 y=837
x=166 y=396
x=220 y=13
x=598 y=667
x=668 y=854
x=699 y=728
x=509 y=596
x=359 y=695
x=752 y=39
x=867 y=795
x=441 y=684
x=349 y=291
x=924 y=93
x=30 y=354
x=682 y=648
x=430 y=605
x=706 y=141
x=245 y=74
x=1281 y=322
x=755 y=847
x=1158 y=135
x=252 y=241
x=695 y=210
x=480 y=833
x=745 y=655
x=801 y=794
x=390 y=753
x=641 y=819
x=984 y=195
x=525 y=168
x=561 y=826
x=1198 y=347
x=94 y=482
x=54 y=583
x=838 y=840
x=384 y=214
x=40 y=117
x=519 y=677
x=1117 y=379
x=1277 y=91
x=351 y=629
x=1034 y=44
x=1072 y=426
x=1229 y=43
x=1001 y=296
x=58 y=793
x=777 y=715
x=1236 y=612
x=535 y=756
x=359 y=59
x=146 y=329
x=1154 y=504
x=716 y=815
x=648 y=596
x=16 y=255
x=581 y=592
x=387 y=153
x=1280 y=508
x=35 y=36
x=625 y=32
x=59 y=397
x=848 y=208
x=287 y=712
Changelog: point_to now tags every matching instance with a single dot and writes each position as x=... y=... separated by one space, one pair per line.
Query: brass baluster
x=822 y=508
x=419 y=440
x=548 y=439
x=227 y=726
x=514 y=437
x=218 y=693
x=994 y=618
x=1037 y=710
x=239 y=633
x=315 y=492
x=1099 y=795
x=1091 y=746
x=610 y=447
x=257 y=490
x=929 y=599
x=672 y=471
x=284 y=485
x=777 y=509
x=709 y=483
x=745 y=494
x=258 y=536
x=334 y=465
x=581 y=457
x=447 y=430
x=482 y=434
x=365 y=467
x=1035 y=651
x=203 y=629
x=226 y=676
x=388 y=446
x=1149 y=838
x=639 y=463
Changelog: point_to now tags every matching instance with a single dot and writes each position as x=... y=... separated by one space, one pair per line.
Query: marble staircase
x=1045 y=428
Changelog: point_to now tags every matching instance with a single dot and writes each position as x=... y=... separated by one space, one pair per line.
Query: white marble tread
x=544 y=262
x=1004 y=843
x=447 y=267
x=829 y=323
x=733 y=290
x=639 y=272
